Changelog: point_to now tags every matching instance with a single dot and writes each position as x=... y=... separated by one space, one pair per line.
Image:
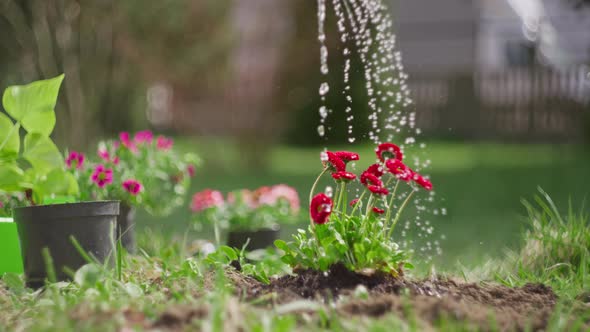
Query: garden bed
x=427 y=301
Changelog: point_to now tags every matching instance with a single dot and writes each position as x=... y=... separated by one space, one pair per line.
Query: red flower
x=375 y=169
x=206 y=199
x=102 y=176
x=127 y=142
x=333 y=162
x=370 y=179
x=144 y=136
x=378 y=210
x=132 y=186
x=164 y=143
x=399 y=169
x=423 y=182
x=347 y=156
x=191 y=170
x=388 y=150
x=75 y=159
x=353 y=202
x=378 y=190
x=320 y=208
x=343 y=176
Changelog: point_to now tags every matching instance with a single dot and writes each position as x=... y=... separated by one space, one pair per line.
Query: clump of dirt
x=520 y=308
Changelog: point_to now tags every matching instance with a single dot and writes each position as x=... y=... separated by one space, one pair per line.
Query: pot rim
x=66 y=210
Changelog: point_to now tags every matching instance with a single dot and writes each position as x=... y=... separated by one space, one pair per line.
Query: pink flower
x=245 y=195
x=206 y=199
x=191 y=170
x=75 y=159
x=102 y=176
x=164 y=143
x=132 y=186
x=144 y=136
x=278 y=192
x=104 y=155
x=127 y=142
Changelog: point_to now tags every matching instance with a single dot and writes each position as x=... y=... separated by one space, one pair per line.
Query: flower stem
x=358 y=203
x=313 y=189
x=399 y=212
x=390 y=206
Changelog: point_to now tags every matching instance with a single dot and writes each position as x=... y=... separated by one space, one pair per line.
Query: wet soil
x=482 y=306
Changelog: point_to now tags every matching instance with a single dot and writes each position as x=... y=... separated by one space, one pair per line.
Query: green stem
x=369 y=206
x=313 y=189
x=358 y=202
x=399 y=213
x=16 y=127
x=390 y=206
x=216 y=230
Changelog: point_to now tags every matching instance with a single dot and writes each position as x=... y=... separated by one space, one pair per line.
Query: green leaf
x=31 y=101
x=40 y=122
x=229 y=252
x=56 y=183
x=10 y=178
x=282 y=245
x=9 y=145
x=87 y=276
x=14 y=282
x=42 y=153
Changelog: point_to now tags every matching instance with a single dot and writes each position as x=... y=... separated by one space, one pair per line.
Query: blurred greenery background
x=237 y=82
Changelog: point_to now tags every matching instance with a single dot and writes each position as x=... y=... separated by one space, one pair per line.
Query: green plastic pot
x=10 y=255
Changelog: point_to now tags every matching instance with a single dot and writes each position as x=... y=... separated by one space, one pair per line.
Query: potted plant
x=136 y=170
x=48 y=233
x=252 y=217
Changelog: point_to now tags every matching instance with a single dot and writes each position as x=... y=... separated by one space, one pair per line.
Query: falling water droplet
x=324 y=88
x=323 y=112
x=329 y=191
x=321 y=130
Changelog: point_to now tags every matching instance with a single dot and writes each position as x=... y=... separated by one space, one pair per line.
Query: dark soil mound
x=510 y=308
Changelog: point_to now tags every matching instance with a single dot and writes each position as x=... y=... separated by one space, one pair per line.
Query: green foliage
x=260 y=264
x=32 y=107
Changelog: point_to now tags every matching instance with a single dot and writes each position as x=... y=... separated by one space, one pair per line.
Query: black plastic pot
x=92 y=224
x=259 y=239
x=126 y=227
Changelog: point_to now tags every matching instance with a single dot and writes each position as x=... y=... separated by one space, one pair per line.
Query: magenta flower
x=191 y=170
x=127 y=142
x=144 y=136
x=164 y=143
x=132 y=186
x=104 y=155
x=102 y=176
x=207 y=199
x=75 y=160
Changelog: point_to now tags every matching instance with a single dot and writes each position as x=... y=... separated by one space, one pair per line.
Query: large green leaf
x=39 y=122
x=56 y=183
x=9 y=145
x=10 y=178
x=42 y=153
x=30 y=104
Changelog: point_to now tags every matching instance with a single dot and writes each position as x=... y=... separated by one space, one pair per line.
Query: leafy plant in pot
x=250 y=217
x=139 y=170
x=54 y=233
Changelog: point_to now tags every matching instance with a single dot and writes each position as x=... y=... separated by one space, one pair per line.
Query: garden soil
x=484 y=306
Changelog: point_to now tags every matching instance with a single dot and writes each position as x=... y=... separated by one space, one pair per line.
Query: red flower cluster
x=132 y=186
x=336 y=161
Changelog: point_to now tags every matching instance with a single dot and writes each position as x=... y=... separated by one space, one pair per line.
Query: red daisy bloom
x=353 y=202
x=399 y=169
x=334 y=162
x=320 y=208
x=132 y=186
x=347 y=156
x=378 y=210
x=191 y=170
x=422 y=181
x=375 y=169
x=370 y=179
x=343 y=176
x=378 y=190
x=388 y=150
